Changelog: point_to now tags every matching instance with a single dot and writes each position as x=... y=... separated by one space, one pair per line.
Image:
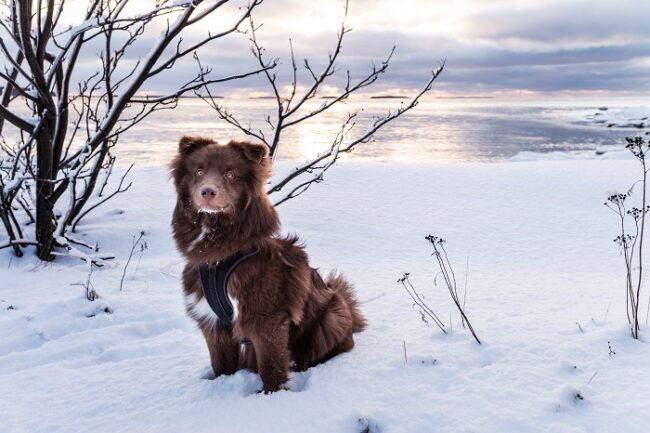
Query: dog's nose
x=208 y=192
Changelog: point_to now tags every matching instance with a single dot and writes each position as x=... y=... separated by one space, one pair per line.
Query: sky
x=491 y=47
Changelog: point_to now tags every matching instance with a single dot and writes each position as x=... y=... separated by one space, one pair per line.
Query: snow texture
x=545 y=294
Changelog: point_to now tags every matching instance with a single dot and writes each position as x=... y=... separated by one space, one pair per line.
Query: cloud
x=555 y=23
x=549 y=46
x=501 y=45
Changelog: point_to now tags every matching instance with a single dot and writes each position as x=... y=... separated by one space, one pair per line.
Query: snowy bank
x=633 y=118
x=545 y=293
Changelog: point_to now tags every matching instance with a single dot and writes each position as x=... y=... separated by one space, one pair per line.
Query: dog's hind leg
x=328 y=334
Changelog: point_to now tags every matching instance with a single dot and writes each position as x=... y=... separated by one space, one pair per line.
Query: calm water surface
x=436 y=130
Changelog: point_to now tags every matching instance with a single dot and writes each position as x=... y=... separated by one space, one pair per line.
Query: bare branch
x=329 y=68
x=335 y=151
x=120 y=189
x=16 y=120
x=224 y=114
x=289 y=110
x=197 y=83
x=17 y=242
x=349 y=89
x=47 y=163
x=211 y=37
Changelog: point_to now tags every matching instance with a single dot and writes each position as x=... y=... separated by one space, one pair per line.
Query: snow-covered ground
x=545 y=294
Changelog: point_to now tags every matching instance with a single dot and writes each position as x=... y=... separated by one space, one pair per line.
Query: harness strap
x=214 y=282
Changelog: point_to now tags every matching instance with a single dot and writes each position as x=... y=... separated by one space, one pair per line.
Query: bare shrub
x=71 y=119
x=292 y=110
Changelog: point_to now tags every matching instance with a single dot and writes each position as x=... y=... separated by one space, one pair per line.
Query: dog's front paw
x=275 y=383
x=270 y=390
x=208 y=373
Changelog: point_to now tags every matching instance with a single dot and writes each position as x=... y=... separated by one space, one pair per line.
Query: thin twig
x=135 y=243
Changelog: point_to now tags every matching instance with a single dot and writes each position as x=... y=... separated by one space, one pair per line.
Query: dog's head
x=220 y=179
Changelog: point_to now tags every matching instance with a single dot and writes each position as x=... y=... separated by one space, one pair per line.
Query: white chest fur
x=197 y=307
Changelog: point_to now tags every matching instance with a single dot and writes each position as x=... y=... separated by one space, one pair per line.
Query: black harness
x=214 y=282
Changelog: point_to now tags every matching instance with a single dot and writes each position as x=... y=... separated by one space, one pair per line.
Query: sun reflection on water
x=436 y=130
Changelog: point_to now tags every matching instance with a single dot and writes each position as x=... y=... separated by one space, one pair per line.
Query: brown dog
x=282 y=306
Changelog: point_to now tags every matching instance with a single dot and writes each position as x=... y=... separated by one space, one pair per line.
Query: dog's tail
x=339 y=284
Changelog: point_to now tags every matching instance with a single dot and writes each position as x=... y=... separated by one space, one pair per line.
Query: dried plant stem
x=91 y=294
x=447 y=272
x=631 y=245
x=135 y=243
x=417 y=300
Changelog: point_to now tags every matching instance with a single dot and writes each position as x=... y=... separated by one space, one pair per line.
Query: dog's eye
x=199 y=172
x=229 y=175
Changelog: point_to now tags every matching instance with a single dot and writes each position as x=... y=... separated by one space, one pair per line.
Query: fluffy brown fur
x=292 y=317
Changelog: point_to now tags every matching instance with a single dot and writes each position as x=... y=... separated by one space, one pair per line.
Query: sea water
x=487 y=129
x=437 y=129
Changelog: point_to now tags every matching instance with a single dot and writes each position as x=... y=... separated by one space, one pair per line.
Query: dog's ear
x=189 y=144
x=252 y=151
